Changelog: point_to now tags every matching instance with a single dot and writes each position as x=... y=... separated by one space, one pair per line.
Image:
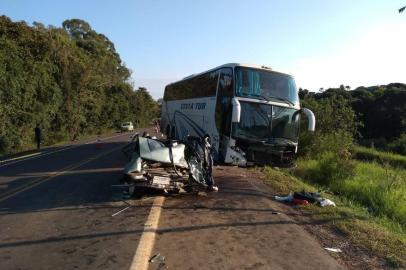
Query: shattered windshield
x=264 y=122
x=260 y=84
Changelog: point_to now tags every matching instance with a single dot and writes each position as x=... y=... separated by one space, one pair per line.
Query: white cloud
x=377 y=57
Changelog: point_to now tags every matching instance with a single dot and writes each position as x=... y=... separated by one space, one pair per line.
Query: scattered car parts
x=169 y=166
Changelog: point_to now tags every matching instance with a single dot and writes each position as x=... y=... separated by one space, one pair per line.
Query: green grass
x=371 y=154
x=382 y=234
x=381 y=189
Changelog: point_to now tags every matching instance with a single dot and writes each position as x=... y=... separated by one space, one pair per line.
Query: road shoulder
x=237 y=228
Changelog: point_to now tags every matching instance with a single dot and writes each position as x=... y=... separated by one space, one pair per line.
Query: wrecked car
x=167 y=165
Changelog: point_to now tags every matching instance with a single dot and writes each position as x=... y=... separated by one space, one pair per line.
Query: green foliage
x=328 y=169
x=380 y=109
x=71 y=80
x=371 y=154
x=373 y=115
x=398 y=145
x=336 y=125
x=362 y=224
x=381 y=189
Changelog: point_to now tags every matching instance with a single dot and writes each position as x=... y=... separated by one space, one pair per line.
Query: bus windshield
x=261 y=84
x=264 y=122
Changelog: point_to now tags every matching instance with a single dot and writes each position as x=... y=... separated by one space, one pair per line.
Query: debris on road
x=288 y=198
x=336 y=250
x=327 y=202
x=202 y=193
x=169 y=166
x=157 y=258
x=122 y=210
x=311 y=197
x=304 y=197
x=297 y=201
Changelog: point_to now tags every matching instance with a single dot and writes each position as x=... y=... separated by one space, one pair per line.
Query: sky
x=321 y=43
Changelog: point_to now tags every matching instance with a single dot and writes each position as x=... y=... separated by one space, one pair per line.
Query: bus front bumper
x=263 y=153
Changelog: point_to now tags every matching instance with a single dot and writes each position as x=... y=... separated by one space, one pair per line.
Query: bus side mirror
x=236 y=113
x=311 y=119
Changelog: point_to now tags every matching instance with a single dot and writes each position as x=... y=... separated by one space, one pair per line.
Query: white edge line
x=40 y=155
x=52 y=152
x=147 y=240
x=20 y=157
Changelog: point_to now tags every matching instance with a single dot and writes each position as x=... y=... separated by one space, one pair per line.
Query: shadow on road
x=87 y=184
x=179 y=229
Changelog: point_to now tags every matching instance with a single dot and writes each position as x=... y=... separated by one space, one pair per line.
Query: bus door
x=224 y=108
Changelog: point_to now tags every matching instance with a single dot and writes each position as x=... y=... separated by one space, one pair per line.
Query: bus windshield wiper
x=269 y=98
x=263 y=97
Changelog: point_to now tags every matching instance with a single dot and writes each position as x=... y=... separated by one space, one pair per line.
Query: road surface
x=59 y=210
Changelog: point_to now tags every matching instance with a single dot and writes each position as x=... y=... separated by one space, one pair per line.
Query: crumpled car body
x=170 y=166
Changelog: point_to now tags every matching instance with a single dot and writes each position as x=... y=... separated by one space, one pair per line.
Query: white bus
x=250 y=112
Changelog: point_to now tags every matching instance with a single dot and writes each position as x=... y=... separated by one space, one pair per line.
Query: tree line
x=371 y=116
x=68 y=79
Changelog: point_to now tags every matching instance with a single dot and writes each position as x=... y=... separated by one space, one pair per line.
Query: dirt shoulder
x=320 y=224
x=240 y=227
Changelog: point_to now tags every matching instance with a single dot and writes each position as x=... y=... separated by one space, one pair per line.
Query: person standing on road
x=157 y=127
x=38 y=134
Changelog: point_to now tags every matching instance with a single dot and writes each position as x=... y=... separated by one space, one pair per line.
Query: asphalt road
x=57 y=212
x=239 y=227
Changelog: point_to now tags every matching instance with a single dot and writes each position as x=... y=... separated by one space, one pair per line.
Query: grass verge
x=381 y=189
x=370 y=154
x=382 y=236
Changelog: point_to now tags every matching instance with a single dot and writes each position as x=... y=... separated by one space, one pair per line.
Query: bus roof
x=230 y=65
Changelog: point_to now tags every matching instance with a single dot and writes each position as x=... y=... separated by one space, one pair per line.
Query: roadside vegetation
x=383 y=158
x=368 y=185
x=382 y=236
x=380 y=113
x=381 y=189
x=68 y=79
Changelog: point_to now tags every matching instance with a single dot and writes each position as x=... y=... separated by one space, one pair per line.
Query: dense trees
x=373 y=115
x=71 y=80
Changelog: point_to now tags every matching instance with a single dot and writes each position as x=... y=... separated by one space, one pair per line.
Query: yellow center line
x=41 y=180
x=147 y=241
